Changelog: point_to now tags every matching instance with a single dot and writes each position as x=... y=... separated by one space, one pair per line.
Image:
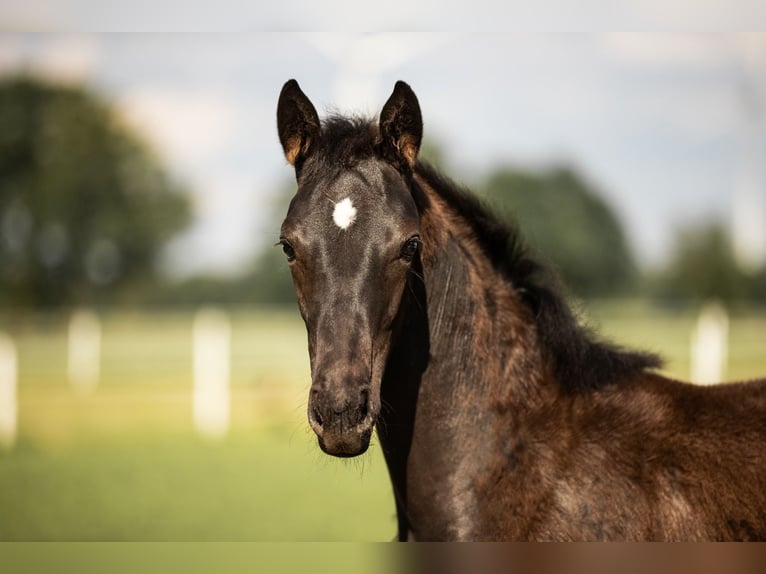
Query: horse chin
x=345 y=445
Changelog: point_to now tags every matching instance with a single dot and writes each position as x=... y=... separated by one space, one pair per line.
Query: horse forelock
x=343 y=141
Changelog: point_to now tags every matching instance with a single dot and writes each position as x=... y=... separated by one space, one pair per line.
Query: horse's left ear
x=401 y=125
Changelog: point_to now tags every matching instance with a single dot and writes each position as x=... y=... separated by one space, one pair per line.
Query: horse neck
x=464 y=360
x=480 y=332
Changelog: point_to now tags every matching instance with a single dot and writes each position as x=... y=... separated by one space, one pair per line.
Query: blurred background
x=153 y=366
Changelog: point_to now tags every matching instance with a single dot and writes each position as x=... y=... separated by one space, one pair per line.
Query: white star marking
x=344 y=213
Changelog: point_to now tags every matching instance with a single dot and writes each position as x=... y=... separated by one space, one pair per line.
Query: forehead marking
x=344 y=213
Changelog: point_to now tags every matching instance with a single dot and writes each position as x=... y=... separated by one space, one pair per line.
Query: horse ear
x=297 y=122
x=401 y=125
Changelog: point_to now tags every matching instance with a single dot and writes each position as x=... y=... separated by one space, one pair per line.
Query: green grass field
x=125 y=463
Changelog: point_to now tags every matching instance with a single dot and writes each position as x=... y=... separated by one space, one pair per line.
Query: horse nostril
x=364 y=403
x=317 y=417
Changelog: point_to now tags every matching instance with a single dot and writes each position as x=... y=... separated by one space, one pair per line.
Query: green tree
x=85 y=206
x=703 y=266
x=567 y=222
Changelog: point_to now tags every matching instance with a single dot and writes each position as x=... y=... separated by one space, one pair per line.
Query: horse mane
x=581 y=360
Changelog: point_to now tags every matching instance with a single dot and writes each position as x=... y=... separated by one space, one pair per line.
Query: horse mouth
x=346 y=431
x=346 y=444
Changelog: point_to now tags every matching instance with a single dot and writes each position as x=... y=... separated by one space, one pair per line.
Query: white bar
x=8 y=390
x=84 y=361
x=710 y=345
x=211 y=344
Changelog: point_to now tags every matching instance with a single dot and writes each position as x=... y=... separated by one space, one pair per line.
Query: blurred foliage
x=267 y=281
x=86 y=208
x=84 y=205
x=703 y=266
x=568 y=223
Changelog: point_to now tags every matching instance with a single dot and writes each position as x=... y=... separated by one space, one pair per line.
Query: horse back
x=655 y=459
x=694 y=457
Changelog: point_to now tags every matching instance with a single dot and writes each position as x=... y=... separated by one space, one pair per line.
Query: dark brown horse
x=499 y=415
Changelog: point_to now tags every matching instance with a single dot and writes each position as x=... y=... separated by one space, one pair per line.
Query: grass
x=260 y=486
x=125 y=463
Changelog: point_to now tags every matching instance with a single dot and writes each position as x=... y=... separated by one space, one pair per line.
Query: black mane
x=581 y=360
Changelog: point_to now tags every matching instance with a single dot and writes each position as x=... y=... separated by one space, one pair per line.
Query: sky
x=667 y=124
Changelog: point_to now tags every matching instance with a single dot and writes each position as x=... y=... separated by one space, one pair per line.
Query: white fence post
x=84 y=357
x=8 y=398
x=212 y=335
x=709 y=344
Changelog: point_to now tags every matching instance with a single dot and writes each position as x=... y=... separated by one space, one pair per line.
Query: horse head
x=351 y=237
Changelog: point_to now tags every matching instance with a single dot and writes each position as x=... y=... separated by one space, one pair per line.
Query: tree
x=703 y=266
x=84 y=205
x=566 y=221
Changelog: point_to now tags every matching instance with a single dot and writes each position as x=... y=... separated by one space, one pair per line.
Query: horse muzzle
x=343 y=422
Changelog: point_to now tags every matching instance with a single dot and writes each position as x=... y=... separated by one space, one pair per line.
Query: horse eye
x=288 y=250
x=410 y=248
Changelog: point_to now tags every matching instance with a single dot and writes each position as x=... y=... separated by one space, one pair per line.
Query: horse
x=501 y=416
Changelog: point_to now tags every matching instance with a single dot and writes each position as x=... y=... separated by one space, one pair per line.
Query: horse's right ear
x=297 y=123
